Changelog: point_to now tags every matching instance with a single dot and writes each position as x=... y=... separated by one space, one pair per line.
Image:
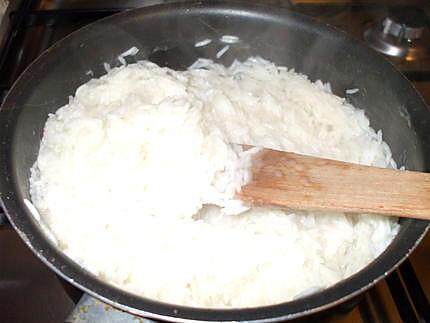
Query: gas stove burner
x=404 y=33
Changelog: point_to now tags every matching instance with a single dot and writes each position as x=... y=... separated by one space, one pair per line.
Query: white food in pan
x=135 y=179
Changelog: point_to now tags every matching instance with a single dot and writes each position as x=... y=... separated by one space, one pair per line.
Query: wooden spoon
x=302 y=182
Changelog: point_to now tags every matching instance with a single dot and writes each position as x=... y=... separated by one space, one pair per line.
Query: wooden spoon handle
x=303 y=182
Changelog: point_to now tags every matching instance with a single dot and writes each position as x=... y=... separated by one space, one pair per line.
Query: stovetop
x=30 y=292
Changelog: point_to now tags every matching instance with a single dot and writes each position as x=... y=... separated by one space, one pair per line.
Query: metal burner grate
x=406 y=290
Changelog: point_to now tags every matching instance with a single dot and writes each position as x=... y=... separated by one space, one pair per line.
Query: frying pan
x=166 y=34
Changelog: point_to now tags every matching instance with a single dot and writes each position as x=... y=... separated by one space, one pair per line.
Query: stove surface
x=30 y=292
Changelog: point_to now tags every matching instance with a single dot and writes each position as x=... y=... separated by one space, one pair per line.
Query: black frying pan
x=166 y=34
